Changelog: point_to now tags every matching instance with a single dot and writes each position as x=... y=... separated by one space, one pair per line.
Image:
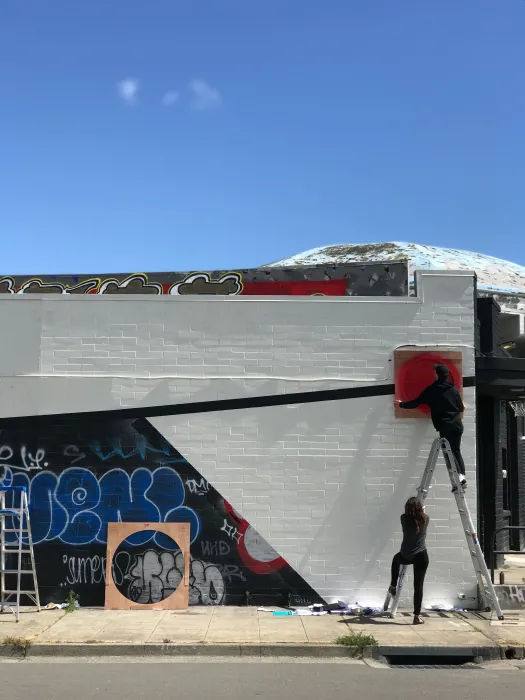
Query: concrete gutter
x=324 y=651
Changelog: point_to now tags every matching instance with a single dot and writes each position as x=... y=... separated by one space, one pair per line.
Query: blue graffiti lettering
x=123 y=499
x=78 y=492
x=76 y=507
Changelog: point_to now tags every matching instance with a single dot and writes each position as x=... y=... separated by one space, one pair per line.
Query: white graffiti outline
x=190 y=279
x=198 y=488
x=74 y=451
x=231 y=531
x=10 y=289
x=132 y=278
x=79 y=567
x=87 y=286
x=30 y=462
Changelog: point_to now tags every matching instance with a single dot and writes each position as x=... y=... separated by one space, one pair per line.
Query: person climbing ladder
x=446 y=409
x=414 y=522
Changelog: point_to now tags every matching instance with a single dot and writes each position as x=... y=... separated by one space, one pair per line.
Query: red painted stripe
x=330 y=288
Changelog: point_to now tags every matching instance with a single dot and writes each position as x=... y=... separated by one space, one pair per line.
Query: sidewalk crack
x=109 y=622
x=209 y=622
x=158 y=623
x=52 y=624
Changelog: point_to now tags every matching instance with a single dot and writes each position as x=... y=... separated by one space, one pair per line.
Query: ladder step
x=21 y=593
x=16 y=571
x=15 y=551
x=15 y=530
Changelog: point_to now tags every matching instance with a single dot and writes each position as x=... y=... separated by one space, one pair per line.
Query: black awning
x=503 y=377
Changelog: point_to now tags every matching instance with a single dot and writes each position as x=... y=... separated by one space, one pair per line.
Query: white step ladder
x=486 y=588
x=17 y=517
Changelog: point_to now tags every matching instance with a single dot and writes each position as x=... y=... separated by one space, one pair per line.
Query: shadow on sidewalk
x=370 y=620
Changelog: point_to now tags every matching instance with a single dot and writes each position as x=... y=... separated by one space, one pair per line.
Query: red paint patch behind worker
x=417 y=372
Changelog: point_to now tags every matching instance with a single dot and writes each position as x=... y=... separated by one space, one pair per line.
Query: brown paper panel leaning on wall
x=117 y=533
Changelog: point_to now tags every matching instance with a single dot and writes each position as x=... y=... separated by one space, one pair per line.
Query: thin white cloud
x=128 y=89
x=204 y=96
x=170 y=98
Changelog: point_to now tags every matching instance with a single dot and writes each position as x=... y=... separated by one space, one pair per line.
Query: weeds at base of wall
x=19 y=645
x=72 y=602
x=358 y=641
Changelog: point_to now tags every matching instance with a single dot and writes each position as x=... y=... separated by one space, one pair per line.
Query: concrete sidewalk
x=88 y=630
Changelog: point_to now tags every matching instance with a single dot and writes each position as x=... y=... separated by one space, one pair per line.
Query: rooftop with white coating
x=494 y=274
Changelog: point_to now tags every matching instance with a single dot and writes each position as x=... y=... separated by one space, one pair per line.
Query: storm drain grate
x=432 y=667
x=424 y=663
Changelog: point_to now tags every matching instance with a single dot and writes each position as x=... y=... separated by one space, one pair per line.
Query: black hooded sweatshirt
x=445 y=403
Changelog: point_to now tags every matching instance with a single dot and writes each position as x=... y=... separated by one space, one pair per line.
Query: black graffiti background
x=220 y=573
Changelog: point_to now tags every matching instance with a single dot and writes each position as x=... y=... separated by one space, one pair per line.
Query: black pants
x=454 y=434
x=420 y=563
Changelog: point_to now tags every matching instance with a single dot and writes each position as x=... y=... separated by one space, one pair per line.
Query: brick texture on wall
x=324 y=482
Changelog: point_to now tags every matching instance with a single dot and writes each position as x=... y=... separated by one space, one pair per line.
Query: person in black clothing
x=446 y=409
x=414 y=522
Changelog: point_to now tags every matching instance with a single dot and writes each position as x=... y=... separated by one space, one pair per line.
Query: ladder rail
x=2 y=547
x=19 y=553
x=486 y=587
x=32 y=555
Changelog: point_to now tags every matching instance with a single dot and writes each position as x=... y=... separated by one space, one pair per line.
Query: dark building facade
x=500 y=383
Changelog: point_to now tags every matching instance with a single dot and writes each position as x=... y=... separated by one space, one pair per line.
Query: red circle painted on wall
x=418 y=372
x=255 y=552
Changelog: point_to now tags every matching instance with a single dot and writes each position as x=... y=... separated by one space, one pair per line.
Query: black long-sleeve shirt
x=445 y=403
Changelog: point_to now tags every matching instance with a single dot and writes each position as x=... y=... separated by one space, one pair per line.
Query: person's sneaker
x=392 y=590
x=463 y=483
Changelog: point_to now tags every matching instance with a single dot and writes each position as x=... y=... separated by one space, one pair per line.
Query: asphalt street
x=135 y=680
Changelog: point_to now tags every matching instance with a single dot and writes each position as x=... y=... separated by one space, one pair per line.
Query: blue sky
x=208 y=134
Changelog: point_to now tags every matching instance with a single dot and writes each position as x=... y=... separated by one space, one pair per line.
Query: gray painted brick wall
x=323 y=483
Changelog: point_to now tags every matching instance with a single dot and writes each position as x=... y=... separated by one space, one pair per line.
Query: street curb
x=181 y=650
x=380 y=652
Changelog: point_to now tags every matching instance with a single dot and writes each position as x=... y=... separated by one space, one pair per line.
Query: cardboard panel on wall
x=180 y=534
x=414 y=371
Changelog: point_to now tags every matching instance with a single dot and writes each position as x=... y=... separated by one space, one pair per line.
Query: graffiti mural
x=154 y=575
x=511 y=596
x=357 y=279
x=202 y=283
x=82 y=475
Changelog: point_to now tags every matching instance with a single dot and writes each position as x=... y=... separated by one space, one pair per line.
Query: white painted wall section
x=324 y=483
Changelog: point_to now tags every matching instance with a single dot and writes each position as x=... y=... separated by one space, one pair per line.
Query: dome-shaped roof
x=493 y=274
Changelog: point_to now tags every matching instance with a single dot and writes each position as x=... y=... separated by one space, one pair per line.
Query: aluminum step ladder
x=486 y=587
x=14 y=519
